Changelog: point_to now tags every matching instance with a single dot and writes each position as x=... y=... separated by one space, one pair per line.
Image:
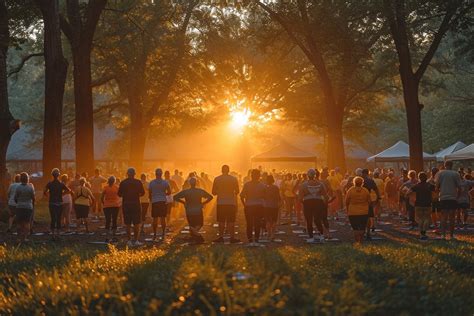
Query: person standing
x=464 y=200
x=25 y=202
x=169 y=197
x=409 y=197
x=111 y=205
x=357 y=205
x=253 y=197
x=83 y=199
x=144 y=202
x=226 y=188
x=130 y=190
x=423 y=194
x=434 y=199
x=11 y=202
x=448 y=182
x=96 y=184
x=287 y=191
x=313 y=194
x=55 y=190
x=370 y=185
x=159 y=189
x=178 y=179
x=192 y=199
x=272 y=202
x=67 y=204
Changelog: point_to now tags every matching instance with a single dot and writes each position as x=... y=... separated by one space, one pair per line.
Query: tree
x=8 y=124
x=411 y=24
x=55 y=79
x=143 y=50
x=338 y=41
x=79 y=26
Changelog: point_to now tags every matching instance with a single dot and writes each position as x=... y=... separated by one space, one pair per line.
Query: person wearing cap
x=158 y=190
x=313 y=194
x=111 y=205
x=130 y=190
x=357 y=205
x=55 y=190
x=253 y=197
x=194 y=200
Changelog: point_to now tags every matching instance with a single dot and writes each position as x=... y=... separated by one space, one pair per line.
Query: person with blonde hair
x=84 y=199
x=357 y=204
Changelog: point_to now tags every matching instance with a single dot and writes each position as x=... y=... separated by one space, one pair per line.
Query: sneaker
x=130 y=243
x=138 y=243
x=219 y=240
x=311 y=240
x=321 y=239
x=234 y=240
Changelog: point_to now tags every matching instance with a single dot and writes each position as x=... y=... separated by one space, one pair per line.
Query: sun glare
x=240 y=118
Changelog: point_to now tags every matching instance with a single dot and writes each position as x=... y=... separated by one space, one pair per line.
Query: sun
x=240 y=118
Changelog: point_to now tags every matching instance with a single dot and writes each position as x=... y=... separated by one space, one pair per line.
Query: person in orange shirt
x=357 y=204
x=111 y=204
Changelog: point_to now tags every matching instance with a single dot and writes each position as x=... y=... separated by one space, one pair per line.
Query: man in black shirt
x=423 y=203
x=55 y=189
x=130 y=190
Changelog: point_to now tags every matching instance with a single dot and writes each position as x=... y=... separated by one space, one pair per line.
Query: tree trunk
x=8 y=125
x=138 y=130
x=84 y=135
x=55 y=79
x=335 y=147
x=413 y=112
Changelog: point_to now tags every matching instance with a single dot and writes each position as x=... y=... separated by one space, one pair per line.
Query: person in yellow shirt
x=381 y=187
x=357 y=205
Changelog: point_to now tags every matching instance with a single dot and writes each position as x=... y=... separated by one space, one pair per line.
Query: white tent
x=440 y=155
x=466 y=153
x=400 y=152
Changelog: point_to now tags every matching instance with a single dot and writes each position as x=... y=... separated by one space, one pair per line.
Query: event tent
x=440 y=155
x=400 y=152
x=285 y=152
x=466 y=153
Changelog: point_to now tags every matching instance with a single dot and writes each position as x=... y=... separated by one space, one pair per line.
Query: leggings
x=254 y=217
x=111 y=214
x=313 y=210
x=55 y=213
x=411 y=211
x=324 y=217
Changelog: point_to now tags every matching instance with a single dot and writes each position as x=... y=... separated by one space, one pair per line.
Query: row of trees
x=330 y=65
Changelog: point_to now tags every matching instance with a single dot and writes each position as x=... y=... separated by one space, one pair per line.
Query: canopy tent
x=466 y=153
x=440 y=155
x=285 y=152
x=400 y=152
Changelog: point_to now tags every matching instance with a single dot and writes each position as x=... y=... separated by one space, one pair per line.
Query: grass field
x=397 y=276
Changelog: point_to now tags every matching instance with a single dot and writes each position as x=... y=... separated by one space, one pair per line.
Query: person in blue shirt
x=194 y=200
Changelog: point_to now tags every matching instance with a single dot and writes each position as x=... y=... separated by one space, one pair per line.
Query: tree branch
x=18 y=68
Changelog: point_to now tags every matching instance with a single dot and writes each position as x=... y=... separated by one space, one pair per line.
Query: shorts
x=131 y=214
x=159 y=209
x=195 y=220
x=226 y=213
x=447 y=205
x=11 y=210
x=434 y=206
x=358 y=222
x=464 y=206
x=271 y=214
x=23 y=215
x=82 y=211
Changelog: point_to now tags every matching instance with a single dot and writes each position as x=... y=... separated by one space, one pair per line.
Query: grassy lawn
x=328 y=279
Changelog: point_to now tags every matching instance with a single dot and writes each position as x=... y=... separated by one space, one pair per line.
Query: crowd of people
x=439 y=200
